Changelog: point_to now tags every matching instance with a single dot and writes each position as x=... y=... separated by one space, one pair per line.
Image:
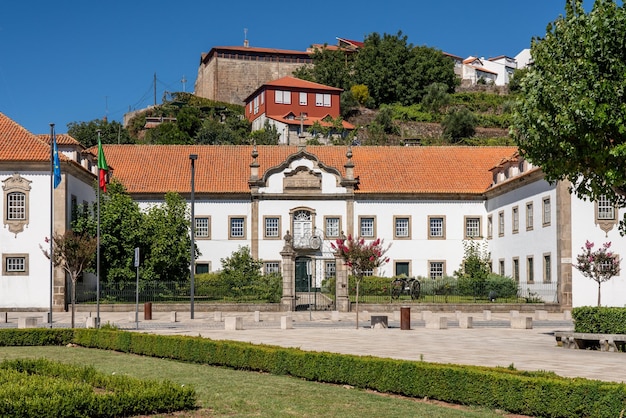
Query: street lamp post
x=193 y=158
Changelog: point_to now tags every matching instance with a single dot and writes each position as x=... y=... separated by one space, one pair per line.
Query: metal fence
x=430 y=292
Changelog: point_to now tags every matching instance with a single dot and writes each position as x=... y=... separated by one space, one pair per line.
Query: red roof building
x=292 y=106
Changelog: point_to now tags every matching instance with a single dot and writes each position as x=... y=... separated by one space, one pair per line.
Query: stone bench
x=233 y=323
x=379 y=321
x=584 y=340
x=437 y=322
x=27 y=322
x=286 y=322
x=522 y=322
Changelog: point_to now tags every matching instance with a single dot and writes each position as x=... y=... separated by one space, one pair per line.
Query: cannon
x=405 y=286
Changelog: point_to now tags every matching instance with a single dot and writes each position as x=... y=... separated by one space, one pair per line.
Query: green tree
x=110 y=132
x=74 y=253
x=167 y=240
x=120 y=232
x=571 y=116
x=360 y=257
x=475 y=268
x=240 y=271
x=331 y=67
x=459 y=124
x=267 y=136
x=361 y=93
x=436 y=97
x=600 y=265
x=397 y=72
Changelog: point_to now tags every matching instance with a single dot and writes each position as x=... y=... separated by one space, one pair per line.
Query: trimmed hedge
x=529 y=393
x=43 y=388
x=536 y=394
x=599 y=320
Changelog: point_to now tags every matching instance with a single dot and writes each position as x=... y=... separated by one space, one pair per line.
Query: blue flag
x=57 y=164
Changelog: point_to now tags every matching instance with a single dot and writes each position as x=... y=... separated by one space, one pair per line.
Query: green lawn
x=224 y=392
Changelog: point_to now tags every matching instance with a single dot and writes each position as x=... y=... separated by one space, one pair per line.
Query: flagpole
x=51 y=220
x=98 y=246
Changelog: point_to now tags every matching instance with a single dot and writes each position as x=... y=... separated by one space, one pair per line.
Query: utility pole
x=184 y=80
x=154 y=83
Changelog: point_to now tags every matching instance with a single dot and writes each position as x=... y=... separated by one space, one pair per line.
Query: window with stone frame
x=330 y=269
x=272 y=227
x=402 y=227
x=271 y=267
x=501 y=223
x=547 y=268
x=436 y=269
x=332 y=225
x=203 y=227
x=237 y=229
x=547 y=211
x=367 y=226
x=436 y=227
x=16 y=197
x=515 y=221
x=15 y=264
x=472 y=227
x=530 y=216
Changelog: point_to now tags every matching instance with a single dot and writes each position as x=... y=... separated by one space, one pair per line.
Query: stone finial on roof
x=254 y=165
x=349 y=165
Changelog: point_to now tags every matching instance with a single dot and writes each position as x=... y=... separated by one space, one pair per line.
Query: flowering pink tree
x=360 y=257
x=600 y=265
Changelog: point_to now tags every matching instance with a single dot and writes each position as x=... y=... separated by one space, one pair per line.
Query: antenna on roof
x=245 y=37
x=184 y=80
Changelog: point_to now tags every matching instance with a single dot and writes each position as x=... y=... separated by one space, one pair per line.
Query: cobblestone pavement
x=490 y=342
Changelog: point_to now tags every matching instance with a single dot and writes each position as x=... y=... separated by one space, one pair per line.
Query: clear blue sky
x=79 y=60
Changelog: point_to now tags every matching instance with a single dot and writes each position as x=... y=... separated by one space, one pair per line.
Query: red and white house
x=293 y=105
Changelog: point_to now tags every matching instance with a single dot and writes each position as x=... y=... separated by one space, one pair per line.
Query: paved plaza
x=491 y=342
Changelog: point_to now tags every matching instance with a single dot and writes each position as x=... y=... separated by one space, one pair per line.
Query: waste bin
x=147 y=311
x=405 y=318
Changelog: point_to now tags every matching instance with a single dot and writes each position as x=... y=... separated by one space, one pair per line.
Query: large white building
x=288 y=203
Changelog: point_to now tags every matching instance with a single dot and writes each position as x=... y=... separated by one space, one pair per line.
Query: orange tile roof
x=62 y=139
x=226 y=168
x=300 y=84
x=18 y=144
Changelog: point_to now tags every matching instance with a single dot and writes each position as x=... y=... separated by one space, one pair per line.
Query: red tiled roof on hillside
x=18 y=144
x=226 y=169
x=299 y=84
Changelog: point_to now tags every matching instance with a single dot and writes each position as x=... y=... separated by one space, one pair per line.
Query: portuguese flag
x=102 y=167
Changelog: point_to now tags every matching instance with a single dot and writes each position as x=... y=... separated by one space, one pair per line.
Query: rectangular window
x=515 y=220
x=262 y=97
x=368 y=273
x=489 y=227
x=303 y=100
x=330 y=269
x=530 y=270
x=15 y=264
x=333 y=227
x=436 y=227
x=547 y=268
x=272 y=227
x=501 y=224
x=501 y=268
x=472 y=227
x=436 y=269
x=270 y=267
x=547 y=211
x=322 y=99
x=16 y=205
x=282 y=97
x=203 y=228
x=237 y=228
x=529 y=216
x=203 y=267
x=402 y=227
x=367 y=227
x=516 y=269
x=256 y=105
x=402 y=268
x=605 y=209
